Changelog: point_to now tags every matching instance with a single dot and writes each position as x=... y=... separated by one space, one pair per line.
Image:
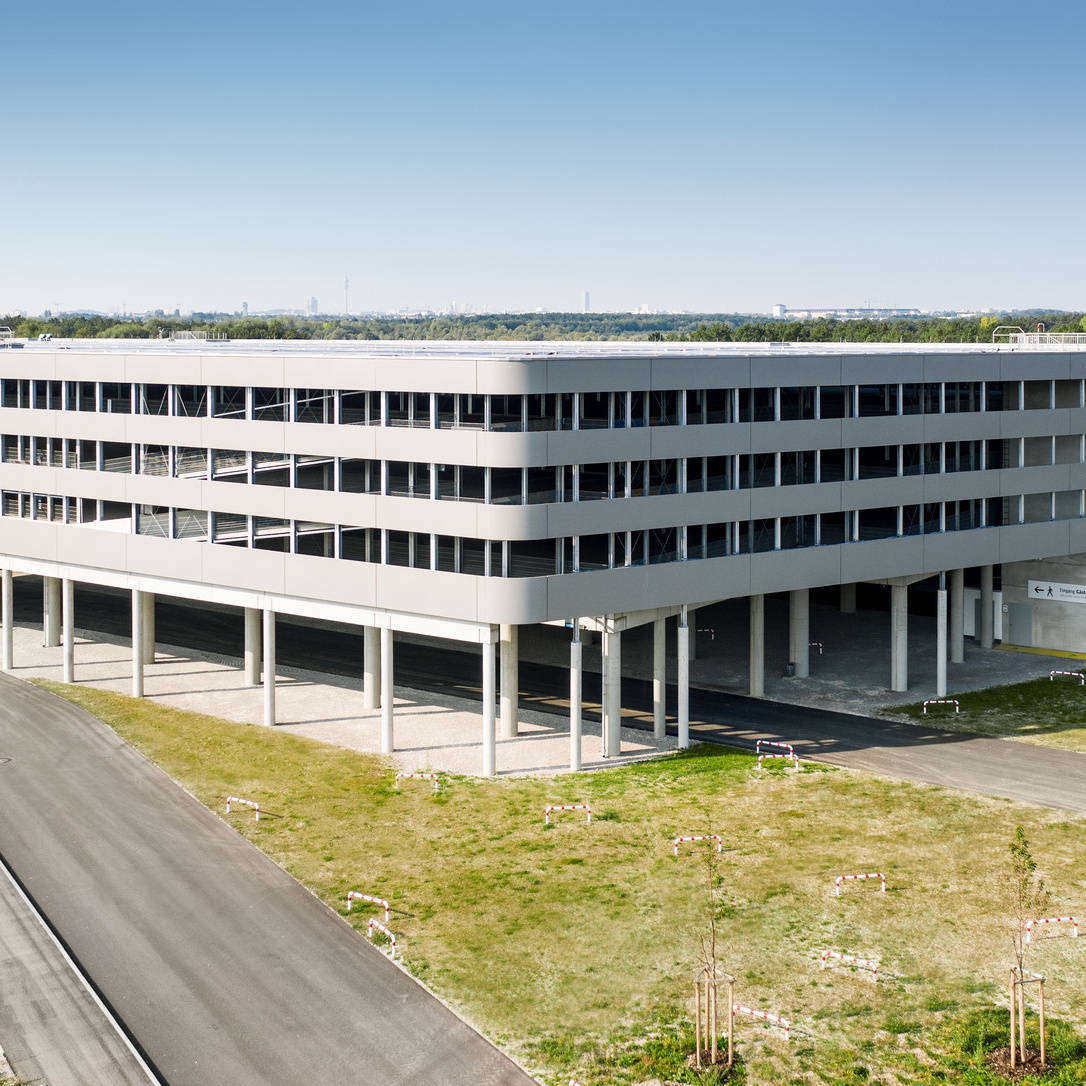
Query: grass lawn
x=1049 y=712
x=573 y=946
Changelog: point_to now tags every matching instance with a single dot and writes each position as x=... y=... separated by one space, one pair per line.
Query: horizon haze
x=710 y=158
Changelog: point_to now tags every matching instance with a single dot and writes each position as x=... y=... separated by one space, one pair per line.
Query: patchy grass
x=1049 y=712
x=574 y=946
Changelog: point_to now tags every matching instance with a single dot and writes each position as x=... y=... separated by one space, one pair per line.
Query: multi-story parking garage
x=464 y=490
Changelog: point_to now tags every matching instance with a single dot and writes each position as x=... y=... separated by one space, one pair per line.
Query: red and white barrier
x=419 y=777
x=772 y=1019
x=850 y=959
x=699 y=837
x=815 y=645
x=355 y=895
x=1070 y=674
x=1031 y=924
x=245 y=803
x=378 y=926
x=785 y=747
x=551 y=808
x=941 y=701
x=849 y=878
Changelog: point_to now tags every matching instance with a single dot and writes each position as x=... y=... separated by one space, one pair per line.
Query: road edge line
x=122 y=1031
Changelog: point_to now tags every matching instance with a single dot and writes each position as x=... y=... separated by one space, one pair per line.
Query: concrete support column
x=799 y=630
x=68 y=618
x=137 y=644
x=371 y=667
x=613 y=683
x=684 y=681
x=848 y=599
x=7 y=605
x=269 y=667
x=575 y=677
x=148 y=627
x=691 y=625
x=51 y=611
x=659 y=678
x=489 y=764
x=899 y=637
x=940 y=642
x=757 y=646
x=252 y=646
x=387 y=691
x=987 y=619
x=957 y=616
x=605 y=690
x=510 y=684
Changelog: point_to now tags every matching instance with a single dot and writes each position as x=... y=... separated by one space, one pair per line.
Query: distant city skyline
x=513 y=158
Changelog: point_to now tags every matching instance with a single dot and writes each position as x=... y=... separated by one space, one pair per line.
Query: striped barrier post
x=699 y=837
x=815 y=645
x=419 y=777
x=1031 y=924
x=850 y=959
x=788 y=752
x=772 y=1019
x=376 y=925
x=1070 y=674
x=941 y=701
x=849 y=878
x=245 y=803
x=552 y=808
x=355 y=895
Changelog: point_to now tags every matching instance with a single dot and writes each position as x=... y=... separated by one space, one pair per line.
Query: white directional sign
x=1057 y=592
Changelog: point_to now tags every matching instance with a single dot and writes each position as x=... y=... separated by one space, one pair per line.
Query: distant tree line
x=683 y=328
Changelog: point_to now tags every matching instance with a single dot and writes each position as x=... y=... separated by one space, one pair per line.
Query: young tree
x=1027 y=898
x=1027 y=895
x=708 y=955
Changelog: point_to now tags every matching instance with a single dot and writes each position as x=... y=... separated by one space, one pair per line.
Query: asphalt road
x=52 y=1027
x=221 y=966
x=1018 y=771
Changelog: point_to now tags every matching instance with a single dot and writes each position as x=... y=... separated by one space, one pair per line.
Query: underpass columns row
x=940 y=638
x=371 y=667
x=612 y=688
x=68 y=622
x=899 y=637
x=799 y=631
x=957 y=616
x=489 y=766
x=510 y=681
x=269 y=667
x=757 y=646
x=51 y=611
x=848 y=599
x=987 y=618
x=388 y=691
x=575 y=680
x=659 y=678
x=252 y=646
x=7 y=607
x=148 y=627
x=137 y=643
x=684 y=679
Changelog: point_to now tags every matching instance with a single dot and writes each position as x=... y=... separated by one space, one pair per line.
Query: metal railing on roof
x=1019 y=337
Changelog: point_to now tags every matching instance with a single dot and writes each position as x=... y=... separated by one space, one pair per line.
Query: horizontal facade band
x=368 y=590
x=540 y=375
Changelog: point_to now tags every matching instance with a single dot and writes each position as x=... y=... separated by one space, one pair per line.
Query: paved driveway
x=224 y=969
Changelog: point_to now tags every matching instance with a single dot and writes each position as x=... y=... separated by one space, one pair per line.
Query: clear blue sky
x=692 y=155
